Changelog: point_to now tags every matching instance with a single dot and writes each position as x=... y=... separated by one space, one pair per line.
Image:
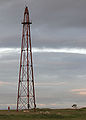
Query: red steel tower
x=26 y=91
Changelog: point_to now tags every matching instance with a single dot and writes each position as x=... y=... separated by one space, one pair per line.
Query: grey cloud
x=47 y=68
x=58 y=23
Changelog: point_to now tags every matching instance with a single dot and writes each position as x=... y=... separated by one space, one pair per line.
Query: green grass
x=44 y=114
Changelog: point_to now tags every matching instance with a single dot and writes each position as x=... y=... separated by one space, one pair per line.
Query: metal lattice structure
x=26 y=91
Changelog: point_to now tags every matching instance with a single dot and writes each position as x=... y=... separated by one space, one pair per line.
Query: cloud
x=81 y=91
x=41 y=105
x=78 y=90
x=53 y=105
x=36 y=84
x=61 y=50
x=50 y=84
x=5 y=51
x=59 y=23
x=6 y=83
x=7 y=104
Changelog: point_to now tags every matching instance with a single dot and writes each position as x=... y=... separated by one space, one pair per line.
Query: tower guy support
x=26 y=91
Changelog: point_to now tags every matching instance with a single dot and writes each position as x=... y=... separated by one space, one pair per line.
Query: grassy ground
x=44 y=114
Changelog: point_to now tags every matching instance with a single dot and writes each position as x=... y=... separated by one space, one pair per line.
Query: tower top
x=26 y=10
x=26 y=17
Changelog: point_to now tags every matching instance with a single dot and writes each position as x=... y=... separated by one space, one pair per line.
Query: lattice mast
x=26 y=91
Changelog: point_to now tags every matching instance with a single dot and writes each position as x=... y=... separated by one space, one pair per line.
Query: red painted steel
x=26 y=91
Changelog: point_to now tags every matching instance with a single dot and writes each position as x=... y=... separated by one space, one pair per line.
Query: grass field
x=44 y=114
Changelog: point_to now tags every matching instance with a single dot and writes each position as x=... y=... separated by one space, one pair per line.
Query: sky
x=59 y=51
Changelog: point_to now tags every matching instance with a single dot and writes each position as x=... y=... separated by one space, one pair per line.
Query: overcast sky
x=59 y=51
